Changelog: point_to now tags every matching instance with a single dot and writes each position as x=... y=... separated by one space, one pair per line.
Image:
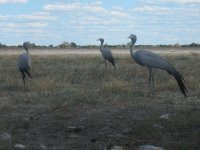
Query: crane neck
x=132 y=49
x=101 y=45
x=27 y=50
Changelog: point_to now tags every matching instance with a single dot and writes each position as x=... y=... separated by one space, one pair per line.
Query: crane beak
x=98 y=40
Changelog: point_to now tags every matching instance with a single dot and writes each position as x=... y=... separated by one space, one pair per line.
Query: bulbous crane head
x=26 y=45
x=133 y=38
x=101 y=40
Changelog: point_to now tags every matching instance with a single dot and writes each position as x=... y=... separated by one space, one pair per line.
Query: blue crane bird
x=106 y=53
x=152 y=60
x=24 y=62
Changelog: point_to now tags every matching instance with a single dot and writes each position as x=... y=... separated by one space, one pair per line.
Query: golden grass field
x=74 y=102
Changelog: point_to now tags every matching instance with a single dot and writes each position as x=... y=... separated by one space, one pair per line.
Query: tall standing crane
x=151 y=61
x=24 y=62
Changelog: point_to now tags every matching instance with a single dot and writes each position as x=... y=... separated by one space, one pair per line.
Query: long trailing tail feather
x=24 y=72
x=180 y=80
x=23 y=77
x=112 y=62
x=28 y=72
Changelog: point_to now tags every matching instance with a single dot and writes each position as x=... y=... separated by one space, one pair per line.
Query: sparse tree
x=64 y=45
x=50 y=46
x=73 y=45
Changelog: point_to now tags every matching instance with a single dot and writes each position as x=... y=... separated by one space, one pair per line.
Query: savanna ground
x=74 y=102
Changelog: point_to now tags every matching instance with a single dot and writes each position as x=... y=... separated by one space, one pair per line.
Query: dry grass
x=74 y=85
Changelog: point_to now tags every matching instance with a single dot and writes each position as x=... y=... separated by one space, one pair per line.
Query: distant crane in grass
x=106 y=53
x=152 y=60
x=24 y=62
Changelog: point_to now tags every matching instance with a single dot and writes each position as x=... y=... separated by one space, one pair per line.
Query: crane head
x=101 y=39
x=133 y=38
x=26 y=45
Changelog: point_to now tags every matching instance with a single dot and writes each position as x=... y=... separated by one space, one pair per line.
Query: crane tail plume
x=24 y=72
x=181 y=82
x=23 y=77
x=113 y=62
x=28 y=72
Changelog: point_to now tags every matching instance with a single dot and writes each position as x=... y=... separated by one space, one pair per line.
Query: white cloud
x=87 y=8
x=152 y=9
x=35 y=24
x=21 y=31
x=181 y=1
x=118 y=8
x=36 y=17
x=175 y=1
x=63 y=7
x=4 y=17
x=13 y=1
x=12 y=25
x=118 y=13
x=75 y=7
x=177 y=12
x=99 y=22
x=89 y=16
x=160 y=19
x=94 y=8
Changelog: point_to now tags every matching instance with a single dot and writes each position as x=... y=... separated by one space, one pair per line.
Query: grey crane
x=24 y=62
x=106 y=53
x=152 y=60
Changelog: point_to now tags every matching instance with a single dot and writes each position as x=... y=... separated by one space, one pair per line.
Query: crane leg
x=23 y=77
x=151 y=80
x=105 y=63
x=152 y=76
x=110 y=65
x=24 y=80
x=114 y=67
x=27 y=71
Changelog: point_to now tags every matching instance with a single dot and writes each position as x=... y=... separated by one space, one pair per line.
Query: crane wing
x=24 y=61
x=106 y=53
x=152 y=60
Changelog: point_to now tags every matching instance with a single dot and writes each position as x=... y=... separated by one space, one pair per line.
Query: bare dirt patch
x=96 y=51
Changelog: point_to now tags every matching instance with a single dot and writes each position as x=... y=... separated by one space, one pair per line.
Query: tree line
x=65 y=45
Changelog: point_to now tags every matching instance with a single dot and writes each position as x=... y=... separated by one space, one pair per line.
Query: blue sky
x=83 y=21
